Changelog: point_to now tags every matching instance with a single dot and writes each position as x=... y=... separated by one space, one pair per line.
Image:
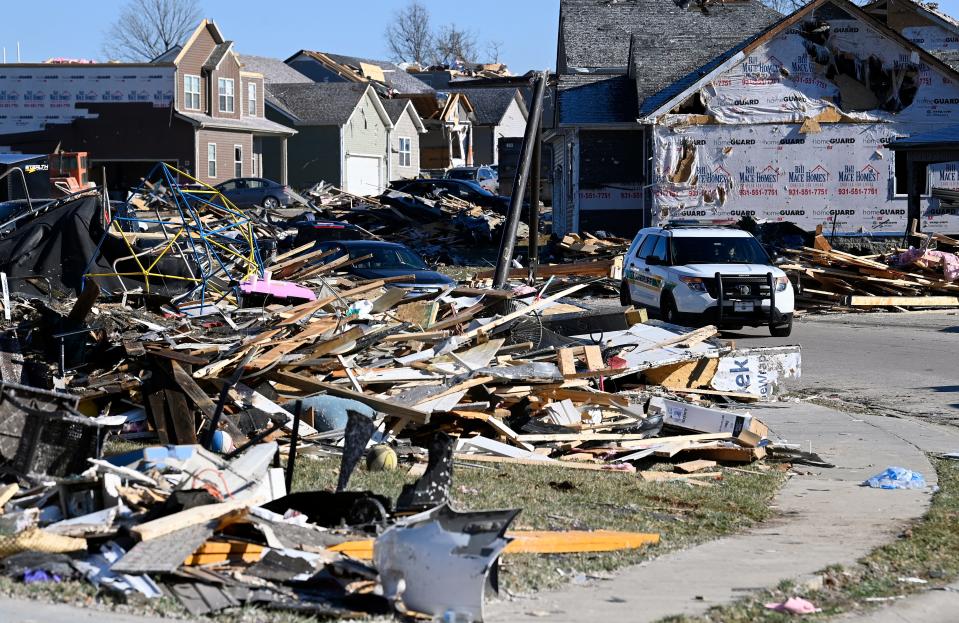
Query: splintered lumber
x=539 y=542
x=633 y=438
x=487 y=458
x=305 y=383
x=670 y=476
x=698 y=465
x=599 y=268
x=193 y=516
x=901 y=301
x=522 y=312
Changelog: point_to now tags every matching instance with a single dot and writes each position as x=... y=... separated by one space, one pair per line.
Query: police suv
x=707 y=275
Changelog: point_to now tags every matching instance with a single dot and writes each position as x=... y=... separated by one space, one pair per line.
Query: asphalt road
x=884 y=363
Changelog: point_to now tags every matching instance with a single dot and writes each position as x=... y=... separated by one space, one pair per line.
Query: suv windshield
x=717 y=251
x=387 y=257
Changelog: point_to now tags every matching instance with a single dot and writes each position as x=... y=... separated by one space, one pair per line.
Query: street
x=884 y=363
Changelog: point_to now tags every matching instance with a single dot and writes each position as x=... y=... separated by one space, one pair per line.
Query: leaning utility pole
x=530 y=139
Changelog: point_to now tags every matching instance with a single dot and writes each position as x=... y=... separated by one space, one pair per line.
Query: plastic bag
x=897 y=478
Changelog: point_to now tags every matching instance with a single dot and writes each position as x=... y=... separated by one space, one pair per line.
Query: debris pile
x=829 y=279
x=240 y=361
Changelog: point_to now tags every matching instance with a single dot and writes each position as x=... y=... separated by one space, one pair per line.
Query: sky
x=526 y=29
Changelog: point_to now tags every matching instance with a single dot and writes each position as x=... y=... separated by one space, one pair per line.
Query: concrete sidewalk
x=826 y=517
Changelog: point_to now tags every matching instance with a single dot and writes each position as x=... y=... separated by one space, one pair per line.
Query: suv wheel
x=782 y=330
x=624 y=298
x=667 y=309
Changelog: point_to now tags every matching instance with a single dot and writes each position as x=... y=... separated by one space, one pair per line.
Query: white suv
x=707 y=275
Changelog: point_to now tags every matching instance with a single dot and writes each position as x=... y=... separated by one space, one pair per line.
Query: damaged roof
x=882 y=9
x=654 y=104
x=490 y=104
x=596 y=99
x=273 y=69
x=395 y=76
x=597 y=33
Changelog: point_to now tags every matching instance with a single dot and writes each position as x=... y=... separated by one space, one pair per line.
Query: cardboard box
x=744 y=428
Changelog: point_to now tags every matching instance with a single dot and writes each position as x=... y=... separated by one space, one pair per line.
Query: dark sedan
x=388 y=259
x=462 y=189
x=247 y=192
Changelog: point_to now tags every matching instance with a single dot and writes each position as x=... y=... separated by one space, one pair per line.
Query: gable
x=832 y=65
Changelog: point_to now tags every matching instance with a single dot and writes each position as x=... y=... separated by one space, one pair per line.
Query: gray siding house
x=343 y=134
x=498 y=113
x=404 y=139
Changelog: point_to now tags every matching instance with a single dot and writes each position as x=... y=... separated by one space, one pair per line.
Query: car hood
x=710 y=270
x=420 y=277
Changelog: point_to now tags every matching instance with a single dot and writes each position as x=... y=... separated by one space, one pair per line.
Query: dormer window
x=251 y=99
x=225 y=87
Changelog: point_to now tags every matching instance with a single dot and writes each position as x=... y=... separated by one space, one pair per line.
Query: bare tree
x=493 y=50
x=409 y=36
x=147 y=28
x=453 y=44
x=787 y=6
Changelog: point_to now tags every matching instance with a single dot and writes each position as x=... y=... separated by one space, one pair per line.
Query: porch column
x=284 y=176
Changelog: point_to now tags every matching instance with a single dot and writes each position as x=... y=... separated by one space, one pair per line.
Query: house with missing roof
x=343 y=134
x=194 y=107
x=789 y=124
x=498 y=113
x=923 y=23
x=404 y=139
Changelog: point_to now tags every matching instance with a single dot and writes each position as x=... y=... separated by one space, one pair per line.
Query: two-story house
x=193 y=107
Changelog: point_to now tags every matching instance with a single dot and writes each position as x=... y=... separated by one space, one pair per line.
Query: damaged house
x=194 y=107
x=499 y=113
x=790 y=124
x=405 y=138
x=343 y=134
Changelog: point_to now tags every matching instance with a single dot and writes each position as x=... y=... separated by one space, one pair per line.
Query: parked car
x=483 y=175
x=464 y=189
x=246 y=192
x=707 y=275
x=312 y=230
x=389 y=259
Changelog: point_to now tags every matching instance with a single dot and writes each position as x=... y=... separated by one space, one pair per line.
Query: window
x=225 y=86
x=660 y=251
x=718 y=251
x=237 y=160
x=211 y=159
x=191 y=92
x=253 y=163
x=406 y=151
x=646 y=249
x=251 y=99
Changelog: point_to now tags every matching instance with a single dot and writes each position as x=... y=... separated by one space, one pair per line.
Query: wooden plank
x=632 y=437
x=539 y=542
x=566 y=361
x=193 y=516
x=307 y=384
x=486 y=458
x=668 y=476
x=901 y=301
x=173 y=355
x=713 y=392
x=690 y=467
x=539 y=304
x=467 y=384
x=194 y=391
x=338 y=341
x=579 y=395
x=594 y=357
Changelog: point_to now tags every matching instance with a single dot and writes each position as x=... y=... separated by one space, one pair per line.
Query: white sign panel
x=840 y=177
x=936 y=217
x=32 y=97
x=762 y=371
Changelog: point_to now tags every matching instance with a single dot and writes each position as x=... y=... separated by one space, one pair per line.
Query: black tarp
x=58 y=246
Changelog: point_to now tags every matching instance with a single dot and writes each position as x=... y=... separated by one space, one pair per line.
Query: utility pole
x=530 y=139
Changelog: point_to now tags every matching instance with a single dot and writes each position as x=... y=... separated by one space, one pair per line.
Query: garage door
x=363 y=175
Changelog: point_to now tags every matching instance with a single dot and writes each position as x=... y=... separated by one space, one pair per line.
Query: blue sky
x=526 y=28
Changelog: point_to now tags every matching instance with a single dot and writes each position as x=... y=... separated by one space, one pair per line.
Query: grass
x=551 y=499
x=928 y=550
x=564 y=499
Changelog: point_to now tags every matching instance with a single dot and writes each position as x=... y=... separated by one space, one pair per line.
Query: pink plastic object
x=794 y=605
x=277 y=288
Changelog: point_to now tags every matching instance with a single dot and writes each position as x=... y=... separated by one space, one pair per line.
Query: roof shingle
x=273 y=69
x=490 y=104
x=326 y=103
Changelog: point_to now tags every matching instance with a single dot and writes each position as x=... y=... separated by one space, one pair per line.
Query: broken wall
x=796 y=131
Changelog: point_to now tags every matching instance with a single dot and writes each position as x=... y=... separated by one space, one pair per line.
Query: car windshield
x=387 y=257
x=461 y=174
x=717 y=251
